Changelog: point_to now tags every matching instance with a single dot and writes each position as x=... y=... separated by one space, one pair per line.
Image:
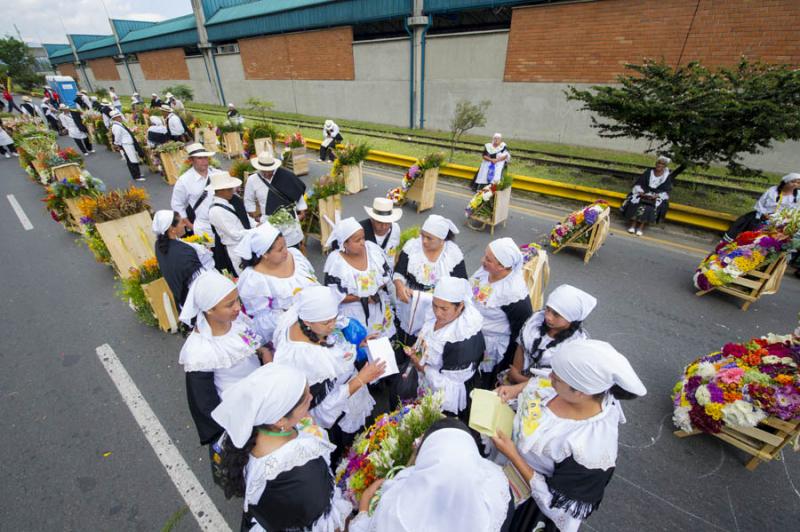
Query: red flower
x=734 y=350
x=747 y=237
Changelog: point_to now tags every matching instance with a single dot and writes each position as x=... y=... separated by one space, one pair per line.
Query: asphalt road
x=75 y=459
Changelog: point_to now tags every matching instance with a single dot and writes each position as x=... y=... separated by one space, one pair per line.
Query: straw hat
x=168 y=95
x=26 y=98
x=114 y=114
x=265 y=162
x=383 y=210
x=223 y=181
x=328 y=124
x=165 y=107
x=198 y=150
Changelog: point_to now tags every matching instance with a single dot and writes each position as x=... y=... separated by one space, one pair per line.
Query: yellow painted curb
x=683 y=214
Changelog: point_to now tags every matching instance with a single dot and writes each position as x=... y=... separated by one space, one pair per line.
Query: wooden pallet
x=500 y=204
x=597 y=234
x=353 y=178
x=423 y=191
x=207 y=137
x=171 y=163
x=536 y=273
x=232 y=141
x=763 y=442
x=162 y=303
x=65 y=171
x=298 y=163
x=129 y=240
x=261 y=146
x=73 y=219
x=764 y=280
x=329 y=208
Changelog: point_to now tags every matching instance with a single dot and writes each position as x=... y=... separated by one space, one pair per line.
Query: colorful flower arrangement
x=530 y=251
x=131 y=290
x=323 y=188
x=351 y=154
x=294 y=141
x=68 y=188
x=106 y=207
x=203 y=239
x=386 y=445
x=432 y=160
x=749 y=251
x=482 y=203
x=740 y=386
x=575 y=222
x=170 y=147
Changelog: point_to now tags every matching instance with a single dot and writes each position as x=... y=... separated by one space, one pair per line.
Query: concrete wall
x=379 y=92
x=471 y=67
x=198 y=81
x=121 y=85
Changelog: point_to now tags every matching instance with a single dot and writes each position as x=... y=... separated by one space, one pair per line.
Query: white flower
x=702 y=395
x=777 y=338
x=770 y=359
x=742 y=414
x=680 y=417
x=487 y=196
x=706 y=370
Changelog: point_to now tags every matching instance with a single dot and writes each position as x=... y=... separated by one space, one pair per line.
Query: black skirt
x=528 y=517
x=644 y=212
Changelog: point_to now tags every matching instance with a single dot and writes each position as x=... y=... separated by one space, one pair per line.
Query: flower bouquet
x=481 y=205
x=322 y=189
x=295 y=141
x=740 y=386
x=429 y=162
x=101 y=208
x=65 y=189
x=204 y=239
x=575 y=222
x=750 y=250
x=387 y=445
x=131 y=290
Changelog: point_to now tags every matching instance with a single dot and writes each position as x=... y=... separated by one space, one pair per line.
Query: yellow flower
x=714 y=410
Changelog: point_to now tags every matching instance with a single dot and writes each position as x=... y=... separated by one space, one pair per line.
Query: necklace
x=271 y=433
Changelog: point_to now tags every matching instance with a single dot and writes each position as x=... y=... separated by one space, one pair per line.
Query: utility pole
x=418 y=25
x=121 y=54
x=207 y=50
x=78 y=63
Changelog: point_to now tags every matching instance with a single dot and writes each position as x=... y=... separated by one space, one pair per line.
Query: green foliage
x=240 y=167
x=91 y=237
x=260 y=107
x=506 y=180
x=227 y=127
x=181 y=92
x=406 y=235
x=101 y=92
x=432 y=160
x=264 y=130
x=466 y=116
x=18 y=63
x=352 y=154
x=697 y=115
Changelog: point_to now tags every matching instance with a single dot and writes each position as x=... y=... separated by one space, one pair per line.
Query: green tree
x=697 y=115
x=466 y=116
x=260 y=107
x=19 y=63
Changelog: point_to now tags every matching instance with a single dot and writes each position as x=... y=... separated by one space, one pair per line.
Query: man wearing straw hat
x=105 y=112
x=228 y=220
x=190 y=198
x=28 y=108
x=381 y=226
x=330 y=138
x=271 y=188
x=124 y=139
x=176 y=127
x=72 y=122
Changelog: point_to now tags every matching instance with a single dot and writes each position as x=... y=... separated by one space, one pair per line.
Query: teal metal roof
x=443 y=6
x=175 y=32
x=99 y=43
x=264 y=17
x=52 y=49
x=61 y=53
x=81 y=39
x=124 y=27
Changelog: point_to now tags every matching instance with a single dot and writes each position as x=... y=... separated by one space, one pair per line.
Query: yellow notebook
x=488 y=413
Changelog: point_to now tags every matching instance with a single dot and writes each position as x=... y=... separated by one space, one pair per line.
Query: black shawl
x=203 y=399
x=517 y=314
x=78 y=119
x=459 y=270
x=295 y=499
x=289 y=186
x=460 y=355
x=369 y=233
x=178 y=265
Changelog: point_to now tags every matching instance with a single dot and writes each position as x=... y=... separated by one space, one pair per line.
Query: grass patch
x=174 y=519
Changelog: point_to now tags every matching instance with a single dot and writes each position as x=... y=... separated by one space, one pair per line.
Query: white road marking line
x=207 y=515
x=23 y=218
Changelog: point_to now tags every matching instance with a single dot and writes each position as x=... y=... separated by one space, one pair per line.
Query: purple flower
x=787 y=403
x=590 y=216
x=769 y=243
x=692 y=383
x=717 y=395
x=776 y=369
x=85 y=220
x=702 y=282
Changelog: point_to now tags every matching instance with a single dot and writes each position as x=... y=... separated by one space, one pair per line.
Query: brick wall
x=325 y=54
x=104 y=69
x=164 y=64
x=68 y=69
x=590 y=42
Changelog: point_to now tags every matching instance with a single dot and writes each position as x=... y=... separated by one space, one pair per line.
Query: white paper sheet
x=381 y=349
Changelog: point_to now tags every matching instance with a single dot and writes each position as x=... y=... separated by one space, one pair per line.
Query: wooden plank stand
x=598 y=232
x=500 y=204
x=353 y=178
x=207 y=137
x=232 y=141
x=130 y=241
x=65 y=171
x=329 y=208
x=298 y=163
x=423 y=191
x=162 y=303
x=536 y=273
x=764 y=280
x=171 y=162
x=763 y=442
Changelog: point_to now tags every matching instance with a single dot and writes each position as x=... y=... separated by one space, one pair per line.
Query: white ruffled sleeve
x=541 y=495
x=451 y=382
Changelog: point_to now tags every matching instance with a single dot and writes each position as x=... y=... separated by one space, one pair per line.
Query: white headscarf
x=318 y=303
x=261 y=398
x=506 y=252
x=790 y=177
x=342 y=231
x=573 y=304
x=453 y=289
x=449 y=487
x=256 y=241
x=439 y=226
x=162 y=221
x=208 y=289
x=592 y=366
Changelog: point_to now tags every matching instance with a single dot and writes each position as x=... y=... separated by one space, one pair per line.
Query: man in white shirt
x=381 y=226
x=229 y=224
x=190 y=198
x=126 y=142
x=175 y=126
x=272 y=188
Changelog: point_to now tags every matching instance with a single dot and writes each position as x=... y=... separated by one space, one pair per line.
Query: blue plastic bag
x=355 y=333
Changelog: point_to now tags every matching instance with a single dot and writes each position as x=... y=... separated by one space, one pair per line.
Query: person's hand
x=508 y=393
x=404 y=293
x=371 y=371
x=369 y=493
x=301 y=215
x=372 y=336
x=504 y=444
x=265 y=354
x=412 y=355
